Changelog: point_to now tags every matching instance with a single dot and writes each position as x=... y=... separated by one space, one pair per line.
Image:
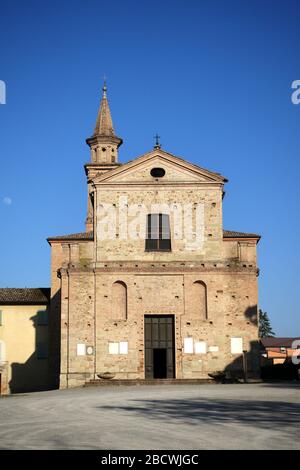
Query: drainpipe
x=245 y=366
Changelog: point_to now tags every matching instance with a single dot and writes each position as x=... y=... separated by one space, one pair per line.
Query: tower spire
x=104 y=146
x=104 y=125
x=104 y=143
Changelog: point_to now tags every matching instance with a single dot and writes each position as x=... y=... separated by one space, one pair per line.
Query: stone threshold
x=118 y=382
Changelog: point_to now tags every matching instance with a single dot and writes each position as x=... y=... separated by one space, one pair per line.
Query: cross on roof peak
x=157 y=141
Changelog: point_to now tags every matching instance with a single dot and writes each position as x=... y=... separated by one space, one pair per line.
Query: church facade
x=155 y=287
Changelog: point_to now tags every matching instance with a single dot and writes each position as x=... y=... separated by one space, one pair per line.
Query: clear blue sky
x=212 y=77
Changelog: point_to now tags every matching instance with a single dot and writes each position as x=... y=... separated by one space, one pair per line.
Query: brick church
x=155 y=287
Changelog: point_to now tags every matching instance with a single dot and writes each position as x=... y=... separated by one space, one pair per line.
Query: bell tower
x=104 y=145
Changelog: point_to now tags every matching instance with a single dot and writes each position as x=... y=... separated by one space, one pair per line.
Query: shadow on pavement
x=262 y=414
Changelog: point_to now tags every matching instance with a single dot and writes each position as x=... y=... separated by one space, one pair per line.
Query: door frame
x=160 y=315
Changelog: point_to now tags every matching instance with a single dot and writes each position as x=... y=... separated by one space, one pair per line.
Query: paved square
x=260 y=416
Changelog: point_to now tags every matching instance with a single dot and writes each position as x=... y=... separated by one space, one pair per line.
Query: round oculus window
x=157 y=172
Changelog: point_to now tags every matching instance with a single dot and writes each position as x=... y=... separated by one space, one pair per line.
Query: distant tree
x=265 y=328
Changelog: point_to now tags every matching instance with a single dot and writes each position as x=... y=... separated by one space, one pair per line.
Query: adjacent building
x=24 y=340
x=279 y=350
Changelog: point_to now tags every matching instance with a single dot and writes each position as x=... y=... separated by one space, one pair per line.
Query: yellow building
x=24 y=340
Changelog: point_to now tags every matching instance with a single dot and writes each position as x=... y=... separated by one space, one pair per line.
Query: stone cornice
x=95 y=139
x=92 y=168
x=155 y=185
x=161 y=268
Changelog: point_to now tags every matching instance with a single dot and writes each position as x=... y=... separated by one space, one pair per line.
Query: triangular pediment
x=176 y=170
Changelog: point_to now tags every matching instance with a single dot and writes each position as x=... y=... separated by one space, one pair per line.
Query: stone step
x=118 y=382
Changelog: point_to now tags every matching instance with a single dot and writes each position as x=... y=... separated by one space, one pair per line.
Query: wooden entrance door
x=159 y=347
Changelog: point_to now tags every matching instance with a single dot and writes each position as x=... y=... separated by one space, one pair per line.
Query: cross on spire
x=104 y=88
x=157 y=142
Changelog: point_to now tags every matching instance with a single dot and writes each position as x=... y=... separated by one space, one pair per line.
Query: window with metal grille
x=158 y=233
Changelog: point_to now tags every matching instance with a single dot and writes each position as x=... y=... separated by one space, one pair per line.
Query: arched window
x=200 y=300
x=158 y=233
x=119 y=300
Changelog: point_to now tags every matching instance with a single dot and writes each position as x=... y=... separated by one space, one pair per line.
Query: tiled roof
x=278 y=342
x=233 y=234
x=30 y=296
x=90 y=235
x=74 y=236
